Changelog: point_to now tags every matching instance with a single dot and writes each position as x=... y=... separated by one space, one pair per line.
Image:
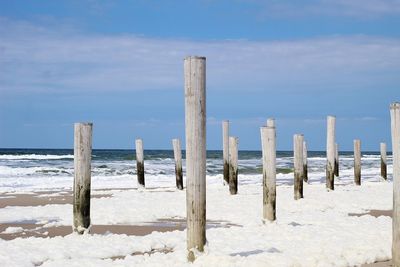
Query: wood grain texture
x=195 y=129
x=233 y=165
x=330 y=153
x=268 y=144
x=82 y=176
x=383 y=161
x=176 y=143
x=357 y=162
x=140 y=162
x=225 y=150
x=395 y=132
x=298 y=140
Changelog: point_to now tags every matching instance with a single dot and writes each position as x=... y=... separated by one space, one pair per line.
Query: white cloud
x=37 y=59
x=342 y=8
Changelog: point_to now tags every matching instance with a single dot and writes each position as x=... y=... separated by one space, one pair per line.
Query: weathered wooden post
x=268 y=144
x=357 y=162
x=195 y=128
x=395 y=129
x=140 y=162
x=270 y=122
x=336 y=169
x=330 y=153
x=305 y=167
x=82 y=176
x=225 y=150
x=383 y=161
x=233 y=165
x=176 y=143
x=298 y=140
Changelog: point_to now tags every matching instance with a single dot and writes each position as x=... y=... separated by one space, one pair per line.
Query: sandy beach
x=33 y=218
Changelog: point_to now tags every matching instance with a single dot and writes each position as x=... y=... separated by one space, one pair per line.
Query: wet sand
x=379 y=264
x=375 y=213
x=37 y=230
x=40 y=199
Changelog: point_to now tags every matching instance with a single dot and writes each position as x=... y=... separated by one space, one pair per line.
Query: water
x=30 y=169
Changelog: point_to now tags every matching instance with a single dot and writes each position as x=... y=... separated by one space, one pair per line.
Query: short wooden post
x=140 y=162
x=270 y=122
x=330 y=153
x=225 y=150
x=336 y=169
x=383 y=161
x=268 y=144
x=357 y=162
x=298 y=140
x=176 y=143
x=305 y=167
x=233 y=165
x=195 y=128
x=395 y=130
x=82 y=176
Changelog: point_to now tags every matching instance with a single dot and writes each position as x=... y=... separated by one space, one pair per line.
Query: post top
x=84 y=123
x=395 y=105
x=194 y=57
x=331 y=116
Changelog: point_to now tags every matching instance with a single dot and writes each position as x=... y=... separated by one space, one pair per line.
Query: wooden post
x=395 y=130
x=195 y=128
x=336 y=168
x=305 y=167
x=140 y=162
x=357 y=162
x=268 y=144
x=233 y=165
x=298 y=140
x=330 y=153
x=270 y=122
x=82 y=176
x=225 y=151
x=176 y=143
x=383 y=161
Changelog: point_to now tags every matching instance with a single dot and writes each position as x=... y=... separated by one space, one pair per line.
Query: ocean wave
x=35 y=157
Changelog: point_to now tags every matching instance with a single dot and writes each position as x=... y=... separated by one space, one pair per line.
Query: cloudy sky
x=119 y=64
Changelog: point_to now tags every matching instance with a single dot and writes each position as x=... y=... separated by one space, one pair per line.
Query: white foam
x=35 y=157
x=13 y=230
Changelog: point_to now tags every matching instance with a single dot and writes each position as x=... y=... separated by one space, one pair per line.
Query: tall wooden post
x=195 y=128
x=395 y=130
x=268 y=144
x=82 y=176
x=176 y=143
x=357 y=162
x=233 y=165
x=383 y=161
x=140 y=162
x=330 y=153
x=225 y=150
x=298 y=140
x=270 y=122
x=336 y=169
x=305 y=167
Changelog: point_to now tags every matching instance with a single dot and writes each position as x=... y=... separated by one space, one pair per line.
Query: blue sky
x=119 y=64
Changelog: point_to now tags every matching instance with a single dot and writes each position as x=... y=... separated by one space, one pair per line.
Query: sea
x=53 y=169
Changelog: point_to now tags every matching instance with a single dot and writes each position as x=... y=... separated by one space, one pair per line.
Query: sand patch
x=375 y=213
